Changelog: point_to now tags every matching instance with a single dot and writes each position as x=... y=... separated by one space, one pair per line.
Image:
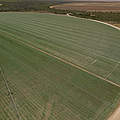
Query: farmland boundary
x=68 y=14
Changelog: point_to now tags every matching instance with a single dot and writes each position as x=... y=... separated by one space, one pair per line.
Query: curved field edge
x=100 y=56
x=36 y=78
x=118 y=28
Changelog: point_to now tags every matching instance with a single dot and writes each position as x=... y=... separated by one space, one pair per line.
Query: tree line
x=44 y=6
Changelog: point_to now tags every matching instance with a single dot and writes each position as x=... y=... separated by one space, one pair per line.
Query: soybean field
x=55 y=67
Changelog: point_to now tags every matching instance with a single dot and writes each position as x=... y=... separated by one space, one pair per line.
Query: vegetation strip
x=10 y=93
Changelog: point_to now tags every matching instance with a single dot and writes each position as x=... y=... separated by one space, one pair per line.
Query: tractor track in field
x=10 y=93
x=68 y=62
x=112 y=71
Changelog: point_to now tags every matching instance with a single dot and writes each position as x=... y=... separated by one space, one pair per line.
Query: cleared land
x=39 y=54
x=90 y=6
x=118 y=25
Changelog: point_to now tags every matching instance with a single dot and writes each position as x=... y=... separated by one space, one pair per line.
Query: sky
x=94 y=0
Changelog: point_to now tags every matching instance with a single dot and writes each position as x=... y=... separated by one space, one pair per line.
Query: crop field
x=55 y=67
x=90 y=6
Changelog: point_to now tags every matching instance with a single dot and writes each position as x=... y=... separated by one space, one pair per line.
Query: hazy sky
x=95 y=0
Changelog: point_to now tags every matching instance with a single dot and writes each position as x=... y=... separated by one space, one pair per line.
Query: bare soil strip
x=115 y=115
x=68 y=62
x=49 y=106
x=10 y=93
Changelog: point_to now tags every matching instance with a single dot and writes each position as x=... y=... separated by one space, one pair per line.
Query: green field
x=57 y=68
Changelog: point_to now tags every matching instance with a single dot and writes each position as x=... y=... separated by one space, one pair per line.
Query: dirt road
x=68 y=14
x=115 y=115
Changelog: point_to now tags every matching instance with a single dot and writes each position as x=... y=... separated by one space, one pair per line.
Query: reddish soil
x=90 y=6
